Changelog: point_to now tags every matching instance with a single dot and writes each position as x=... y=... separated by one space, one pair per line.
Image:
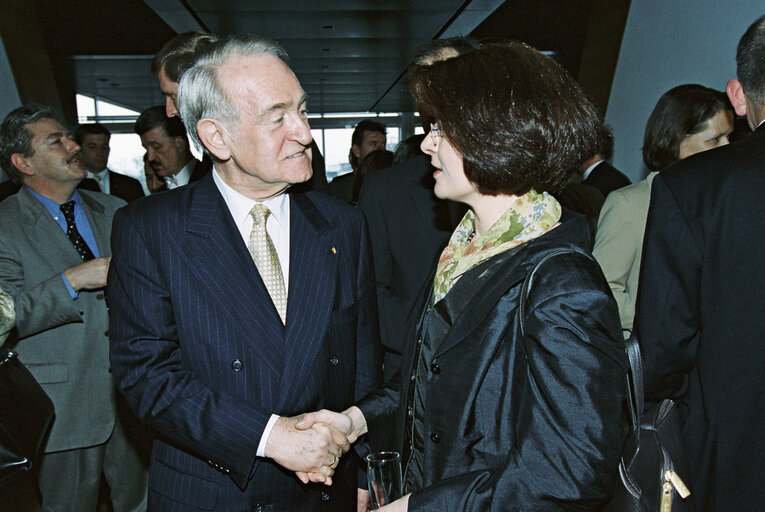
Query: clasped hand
x=312 y=448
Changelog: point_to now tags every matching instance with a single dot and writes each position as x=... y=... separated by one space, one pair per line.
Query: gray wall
x=9 y=96
x=668 y=43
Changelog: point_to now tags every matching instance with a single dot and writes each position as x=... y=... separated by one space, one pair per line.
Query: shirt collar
x=100 y=175
x=240 y=205
x=52 y=206
x=589 y=170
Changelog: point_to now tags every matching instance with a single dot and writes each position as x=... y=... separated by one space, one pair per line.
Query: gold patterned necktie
x=266 y=260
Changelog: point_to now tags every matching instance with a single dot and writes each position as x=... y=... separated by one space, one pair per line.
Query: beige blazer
x=619 y=244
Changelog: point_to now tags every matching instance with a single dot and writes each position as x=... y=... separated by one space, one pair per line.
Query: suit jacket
x=63 y=342
x=619 y=244
x=699 y=315
x=517 y=422
x=409 y=227
x=606 y=178
x=200 y=353
x=126 y=188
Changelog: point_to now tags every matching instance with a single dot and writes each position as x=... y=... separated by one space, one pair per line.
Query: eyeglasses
x=435 y=132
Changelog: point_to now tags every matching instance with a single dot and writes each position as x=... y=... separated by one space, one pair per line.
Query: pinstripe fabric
x=200 y=353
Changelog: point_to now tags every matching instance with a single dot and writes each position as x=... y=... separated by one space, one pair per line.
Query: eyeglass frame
x=435 y=133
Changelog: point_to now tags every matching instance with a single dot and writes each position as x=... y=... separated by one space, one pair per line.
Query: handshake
x=311 y=444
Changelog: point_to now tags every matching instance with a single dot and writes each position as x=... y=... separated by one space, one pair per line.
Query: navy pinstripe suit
x=200 y=354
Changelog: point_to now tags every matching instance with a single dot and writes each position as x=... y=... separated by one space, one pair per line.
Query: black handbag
x=653 y=458
x=25 y=415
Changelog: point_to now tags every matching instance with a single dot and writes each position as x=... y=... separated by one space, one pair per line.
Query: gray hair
x=15 y=137
x=200 y=94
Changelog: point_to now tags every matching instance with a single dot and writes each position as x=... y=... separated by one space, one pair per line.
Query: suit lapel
x=218 y=257
x=49 y=238
x=100 y=223
x=313 y=277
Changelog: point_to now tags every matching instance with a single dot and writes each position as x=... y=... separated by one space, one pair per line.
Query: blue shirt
x=83 y=226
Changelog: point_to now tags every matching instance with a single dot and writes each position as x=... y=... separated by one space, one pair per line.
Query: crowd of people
x=262 y=336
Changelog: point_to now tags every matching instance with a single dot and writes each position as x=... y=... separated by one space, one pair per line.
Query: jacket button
x=409 y=412
x=434 y=437
x=100 y=296
x=435 y=368
x=324 y=496
x=259 y=507
x=334 y=361
x=236 y=365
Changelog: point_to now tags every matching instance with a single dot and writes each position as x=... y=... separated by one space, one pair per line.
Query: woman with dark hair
x=509 y=398
x=687 y=119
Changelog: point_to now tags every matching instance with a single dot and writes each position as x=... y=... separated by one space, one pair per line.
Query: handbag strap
x=527 y=282
x=635 y=389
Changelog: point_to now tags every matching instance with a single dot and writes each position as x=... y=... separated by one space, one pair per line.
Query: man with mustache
x=54 y=258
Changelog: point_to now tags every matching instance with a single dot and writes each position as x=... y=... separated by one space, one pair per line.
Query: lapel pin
x=334 y=251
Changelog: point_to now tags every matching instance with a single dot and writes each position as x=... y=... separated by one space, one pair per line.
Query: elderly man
x=699 y=312
x=54 y=256
x=236 y=305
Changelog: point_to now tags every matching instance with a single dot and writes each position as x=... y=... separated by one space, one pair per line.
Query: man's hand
x=351 y=421
x=311 y=450
x=90 y=275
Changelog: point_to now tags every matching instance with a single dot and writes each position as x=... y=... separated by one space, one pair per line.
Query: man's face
x=370 y=142
x=95 y=151
x=56 y=159
x=167 y=155
x=269 y=148
x=170 y=92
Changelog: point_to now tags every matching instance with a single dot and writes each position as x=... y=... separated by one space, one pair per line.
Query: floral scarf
x=532 y=215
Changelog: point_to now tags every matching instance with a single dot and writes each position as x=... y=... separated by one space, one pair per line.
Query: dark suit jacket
x=126 y=188
x=700 y=315
x=605 y=177
x=514 y=422
x=201 y=355
x=409 y=227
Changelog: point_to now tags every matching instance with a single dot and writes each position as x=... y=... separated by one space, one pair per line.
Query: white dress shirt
x=278 y=228
x=102 y=178
x=182 y=177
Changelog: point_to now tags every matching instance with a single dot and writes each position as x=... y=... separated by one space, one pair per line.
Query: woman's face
x=714 y=134
x=451 y=182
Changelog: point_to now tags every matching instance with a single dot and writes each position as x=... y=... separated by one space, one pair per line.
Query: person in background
x=400 y=206
x=368 y=136
x=153 y=182
x=54 y=257
x=93 y=139
x=597 y=172
x=686 y=120
x=167 y=147
x=373 y=163
x=508 y=399
x=699 y=315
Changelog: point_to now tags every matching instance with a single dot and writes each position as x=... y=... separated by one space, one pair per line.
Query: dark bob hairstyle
x=518 y=119
x=681 y=111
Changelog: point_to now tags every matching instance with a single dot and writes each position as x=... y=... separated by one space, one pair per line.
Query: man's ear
x=355 y=150
x=21 y=163
x=736 y=96
x=213 y=138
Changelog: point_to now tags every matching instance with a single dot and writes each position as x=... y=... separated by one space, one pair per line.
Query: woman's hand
x=400 y=505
